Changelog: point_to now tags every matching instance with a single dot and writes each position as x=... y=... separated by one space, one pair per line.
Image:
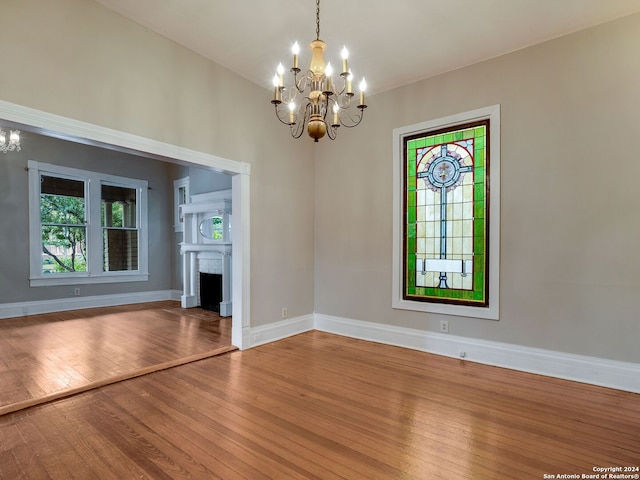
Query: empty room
x=319 y=239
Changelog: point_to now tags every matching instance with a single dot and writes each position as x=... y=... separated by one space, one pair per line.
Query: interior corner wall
x=80 y=60
x=570 y=227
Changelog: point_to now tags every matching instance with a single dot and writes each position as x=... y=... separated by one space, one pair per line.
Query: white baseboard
x=19 y=309
x=175 y=295
x=277 y=331
x=579 y=368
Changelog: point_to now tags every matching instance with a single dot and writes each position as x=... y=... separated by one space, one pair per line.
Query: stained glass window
x=446 y=200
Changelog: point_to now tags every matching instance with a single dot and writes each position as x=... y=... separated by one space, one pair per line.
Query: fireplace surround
x=206 y=246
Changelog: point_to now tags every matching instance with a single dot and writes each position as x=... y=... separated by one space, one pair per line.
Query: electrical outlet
x=444 y=326
x=76 y=292
x=285 y=313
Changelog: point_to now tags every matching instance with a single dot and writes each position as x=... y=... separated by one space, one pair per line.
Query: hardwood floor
x=45 y=357
x=320 y=406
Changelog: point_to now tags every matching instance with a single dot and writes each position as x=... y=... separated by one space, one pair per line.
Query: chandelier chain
x=317 y=19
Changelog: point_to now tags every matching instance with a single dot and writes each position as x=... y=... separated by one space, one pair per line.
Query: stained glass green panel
x=445 y=201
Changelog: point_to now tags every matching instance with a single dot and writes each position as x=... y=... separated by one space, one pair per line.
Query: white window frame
x=95 y=271
x=491 y=312
x=178 y=222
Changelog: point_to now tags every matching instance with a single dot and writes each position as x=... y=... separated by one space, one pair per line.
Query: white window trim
x=95 y=273
x=491 y=312
x=177 y=184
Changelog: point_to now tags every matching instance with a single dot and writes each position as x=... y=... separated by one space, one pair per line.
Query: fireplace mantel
x=206 y=246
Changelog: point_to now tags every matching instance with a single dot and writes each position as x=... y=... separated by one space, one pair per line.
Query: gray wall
x=205 y=181
x=14 y=214
x=570 y=223
x=77 y=59
x=200 y=181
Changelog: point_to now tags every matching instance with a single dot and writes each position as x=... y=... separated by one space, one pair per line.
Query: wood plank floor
x=43 y=357
x=320 y=406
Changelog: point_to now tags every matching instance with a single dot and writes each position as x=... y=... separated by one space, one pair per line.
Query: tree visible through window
x=62 y=216
x=86 y=227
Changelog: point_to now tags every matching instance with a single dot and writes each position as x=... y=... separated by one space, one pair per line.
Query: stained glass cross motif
x=445 y=207
x=444 y=173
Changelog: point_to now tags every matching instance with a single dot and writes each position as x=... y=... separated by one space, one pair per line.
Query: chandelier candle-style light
x=12 y=144
x=314 y=102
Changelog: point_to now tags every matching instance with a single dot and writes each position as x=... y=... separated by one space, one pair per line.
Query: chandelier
x=314 y=102
x=12 y=144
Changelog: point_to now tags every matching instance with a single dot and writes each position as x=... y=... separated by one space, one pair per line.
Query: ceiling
x=392 y=43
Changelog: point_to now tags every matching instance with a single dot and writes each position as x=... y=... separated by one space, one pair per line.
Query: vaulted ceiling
x=392 y=43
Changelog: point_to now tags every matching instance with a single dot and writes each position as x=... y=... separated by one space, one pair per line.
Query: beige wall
x=78 y=59
x=570 y=275
x=570 y=227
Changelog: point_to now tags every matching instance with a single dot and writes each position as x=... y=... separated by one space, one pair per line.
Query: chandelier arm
x=354 y=120
x=280 y=114
x=344 y=101
x=289 y=95
x=308 y=79
x=299 y=86
x=301 y=83
x=343 y=90
x=298 y=128
x=324 y=108
x=332 y=131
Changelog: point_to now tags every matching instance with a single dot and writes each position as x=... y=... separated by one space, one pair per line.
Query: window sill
x=489 y=313
x=87 y=279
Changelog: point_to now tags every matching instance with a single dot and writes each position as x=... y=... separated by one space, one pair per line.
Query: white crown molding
x=70 y=129
x=579 y=368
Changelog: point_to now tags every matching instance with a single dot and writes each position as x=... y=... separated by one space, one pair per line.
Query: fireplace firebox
x=210 y=291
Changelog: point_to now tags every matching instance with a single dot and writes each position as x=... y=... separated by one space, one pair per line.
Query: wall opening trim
x=57 y=126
